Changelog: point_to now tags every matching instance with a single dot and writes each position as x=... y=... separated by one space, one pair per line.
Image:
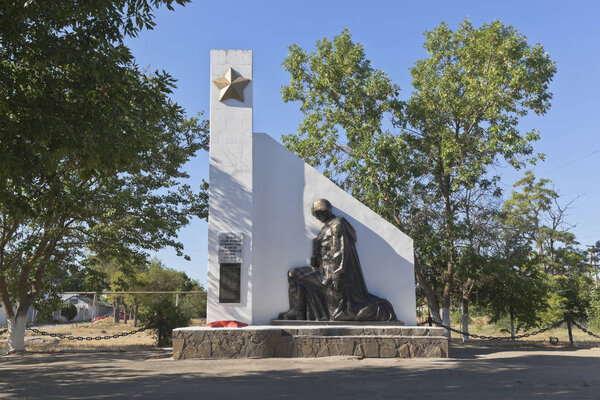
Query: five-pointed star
x=231 y=85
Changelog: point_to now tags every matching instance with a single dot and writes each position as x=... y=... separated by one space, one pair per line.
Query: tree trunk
x=512 y=326
x=135 y=314
x=449 y=216
x=432 y=301
x=446 y=320
x=16 y=333
x=465 y=319
x=446 y=301
x=116 y=311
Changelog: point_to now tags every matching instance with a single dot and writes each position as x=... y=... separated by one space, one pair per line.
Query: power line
x=576 y=178
x=572 y=161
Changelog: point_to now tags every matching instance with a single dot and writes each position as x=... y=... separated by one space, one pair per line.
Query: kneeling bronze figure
x=333 y=288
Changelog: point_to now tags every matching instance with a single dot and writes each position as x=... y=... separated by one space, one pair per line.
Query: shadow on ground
x=473 y=372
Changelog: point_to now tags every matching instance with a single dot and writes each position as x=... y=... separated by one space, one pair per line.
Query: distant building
x=84 y=304
x=86 y=310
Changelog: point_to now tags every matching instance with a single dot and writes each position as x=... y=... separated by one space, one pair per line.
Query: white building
x=86 y=310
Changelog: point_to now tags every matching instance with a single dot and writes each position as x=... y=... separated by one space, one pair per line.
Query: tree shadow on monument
x=229 y=217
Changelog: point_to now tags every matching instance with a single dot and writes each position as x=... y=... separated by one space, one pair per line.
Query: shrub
x=164 y=316
x=68 y=310
x=45 y=306
x=193 y=305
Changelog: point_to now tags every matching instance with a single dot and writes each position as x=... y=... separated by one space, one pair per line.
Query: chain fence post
x=430 y=320
x=569 y=318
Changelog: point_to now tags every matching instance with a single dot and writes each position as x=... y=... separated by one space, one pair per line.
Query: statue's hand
x=326 y=281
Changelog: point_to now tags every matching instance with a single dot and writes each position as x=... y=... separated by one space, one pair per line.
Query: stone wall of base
x=267 y=341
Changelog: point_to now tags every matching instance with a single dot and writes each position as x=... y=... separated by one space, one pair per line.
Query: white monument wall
x=283 y=229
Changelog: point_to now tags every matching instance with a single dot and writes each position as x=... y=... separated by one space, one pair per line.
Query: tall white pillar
x=230 y=174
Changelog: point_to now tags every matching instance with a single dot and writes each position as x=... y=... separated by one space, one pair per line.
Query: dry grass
x=35 y=342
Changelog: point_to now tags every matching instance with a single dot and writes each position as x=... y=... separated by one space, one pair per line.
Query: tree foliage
x=416 y=163
x=535 y=216
x=91 y=146
x=347 y=106
x=153 y=276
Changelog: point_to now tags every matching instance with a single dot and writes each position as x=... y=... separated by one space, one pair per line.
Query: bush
x=44 y=316
x=68 y=310
x=193 y=305
x=45 y=307
x=164 y=316
x=593 y=310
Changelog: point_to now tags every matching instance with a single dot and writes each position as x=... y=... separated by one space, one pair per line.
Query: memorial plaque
x=230 y=248
x=229 y=283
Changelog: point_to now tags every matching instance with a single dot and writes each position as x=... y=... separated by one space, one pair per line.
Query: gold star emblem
x=231 y=85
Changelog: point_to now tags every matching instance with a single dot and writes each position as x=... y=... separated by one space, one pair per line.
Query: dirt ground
x=473 y=371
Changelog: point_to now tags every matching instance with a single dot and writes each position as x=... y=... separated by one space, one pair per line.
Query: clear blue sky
x=392 y=33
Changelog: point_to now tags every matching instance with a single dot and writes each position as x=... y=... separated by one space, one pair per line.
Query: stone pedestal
x=373 y=341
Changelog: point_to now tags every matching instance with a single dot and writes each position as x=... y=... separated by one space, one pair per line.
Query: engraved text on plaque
x=230 y=248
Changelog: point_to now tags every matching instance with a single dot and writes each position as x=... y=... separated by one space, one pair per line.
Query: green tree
x=91 y=147
x=480 y=234
x=160 y=278
x=534 y=214
x=120 y=275
x=193 y=305
x=154 y=276
x=470 y=93
x=514 y=284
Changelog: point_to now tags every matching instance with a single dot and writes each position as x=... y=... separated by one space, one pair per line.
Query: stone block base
x=309 y=341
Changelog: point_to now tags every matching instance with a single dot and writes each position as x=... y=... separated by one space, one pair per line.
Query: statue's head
x=321 y=210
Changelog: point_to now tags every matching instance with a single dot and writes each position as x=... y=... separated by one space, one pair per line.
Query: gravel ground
x=471 y=372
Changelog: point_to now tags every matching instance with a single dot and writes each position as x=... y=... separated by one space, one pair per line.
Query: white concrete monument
x=260 y=225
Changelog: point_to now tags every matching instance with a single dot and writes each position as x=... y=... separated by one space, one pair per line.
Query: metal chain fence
x=585 y=330
x=524 y=335
x=71 y=337
x=568 y=319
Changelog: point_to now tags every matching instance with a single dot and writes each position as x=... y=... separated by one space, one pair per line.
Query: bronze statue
x=333 y=287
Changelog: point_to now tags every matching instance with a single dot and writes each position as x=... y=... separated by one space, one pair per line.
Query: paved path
x=473 y=372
